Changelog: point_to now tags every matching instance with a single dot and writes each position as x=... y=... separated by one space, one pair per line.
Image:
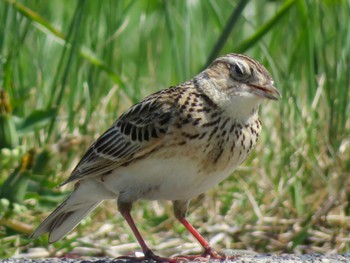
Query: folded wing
x=135 y=133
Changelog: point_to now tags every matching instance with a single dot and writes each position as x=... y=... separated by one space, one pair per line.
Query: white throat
x=241 y=109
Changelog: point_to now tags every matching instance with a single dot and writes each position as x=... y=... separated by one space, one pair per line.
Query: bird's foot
x=211 y=253
x=208 y=254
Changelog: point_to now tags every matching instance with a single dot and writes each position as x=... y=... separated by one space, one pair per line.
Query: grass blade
x=260 y=32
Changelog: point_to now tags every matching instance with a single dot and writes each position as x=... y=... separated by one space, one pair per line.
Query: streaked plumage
x=173 y=145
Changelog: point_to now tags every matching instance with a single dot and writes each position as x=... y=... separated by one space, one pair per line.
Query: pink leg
x=125 y=211
x=208 y=250
x=131 y=223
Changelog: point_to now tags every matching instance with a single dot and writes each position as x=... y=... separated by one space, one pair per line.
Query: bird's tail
x=64 y=219
x=87 y=195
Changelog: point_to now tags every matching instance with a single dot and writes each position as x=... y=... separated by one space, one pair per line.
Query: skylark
x=174 y=145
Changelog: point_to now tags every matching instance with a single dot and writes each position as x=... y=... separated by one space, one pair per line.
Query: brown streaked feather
x=135 y=133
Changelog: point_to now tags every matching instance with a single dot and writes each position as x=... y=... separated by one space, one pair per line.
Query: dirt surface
x=285 y=258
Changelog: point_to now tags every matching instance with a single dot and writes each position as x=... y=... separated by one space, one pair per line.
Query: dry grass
x=91 y=61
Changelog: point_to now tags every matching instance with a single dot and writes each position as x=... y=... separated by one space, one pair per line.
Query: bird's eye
x=239 y=72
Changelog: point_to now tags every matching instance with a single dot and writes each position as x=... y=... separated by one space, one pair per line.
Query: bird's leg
x=208 y=250
x=124 y=209
x=180 y=209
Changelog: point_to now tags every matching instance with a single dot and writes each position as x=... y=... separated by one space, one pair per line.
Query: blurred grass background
x=68 y=69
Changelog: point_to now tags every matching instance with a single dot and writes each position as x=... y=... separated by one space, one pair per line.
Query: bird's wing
x=136 y=133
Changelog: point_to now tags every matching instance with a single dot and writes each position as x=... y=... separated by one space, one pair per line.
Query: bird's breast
x=219 y=143
x=186 y=165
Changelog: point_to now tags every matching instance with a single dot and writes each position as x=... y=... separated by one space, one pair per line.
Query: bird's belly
x=168 y=179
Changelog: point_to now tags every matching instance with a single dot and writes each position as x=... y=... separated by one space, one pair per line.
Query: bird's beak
x=267 y=91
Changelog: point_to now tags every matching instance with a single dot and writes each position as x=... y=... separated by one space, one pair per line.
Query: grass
x=71 y=69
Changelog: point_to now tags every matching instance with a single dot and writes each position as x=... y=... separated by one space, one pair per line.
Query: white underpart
x=152 y=179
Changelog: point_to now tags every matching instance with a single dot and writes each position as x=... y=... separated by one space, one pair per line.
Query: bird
x=174 y=145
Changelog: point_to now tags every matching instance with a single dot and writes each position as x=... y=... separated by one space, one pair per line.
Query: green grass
x=71 y=68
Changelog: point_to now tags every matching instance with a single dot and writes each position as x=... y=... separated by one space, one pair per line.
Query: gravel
x=285 y=258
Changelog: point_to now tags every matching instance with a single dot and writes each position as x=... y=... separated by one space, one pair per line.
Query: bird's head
x=238 y=83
